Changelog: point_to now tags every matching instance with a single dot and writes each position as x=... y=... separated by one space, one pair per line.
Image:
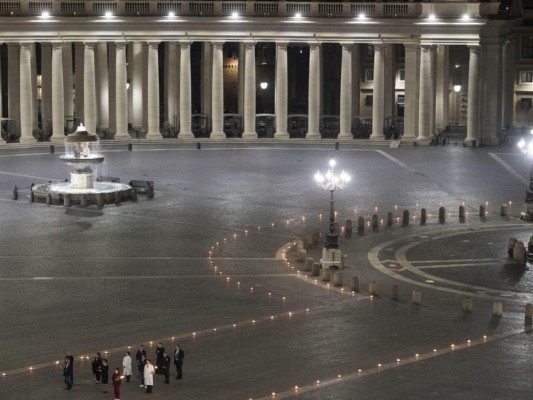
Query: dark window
x=527 y=47
x=525 y=102
x=526 y=77
x=368 y=100
x=369 y=51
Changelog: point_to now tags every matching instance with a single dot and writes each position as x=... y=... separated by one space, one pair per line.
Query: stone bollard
x=337 y=279
x=348 y=226
x=375 y=223
x=315 y=269
x=15 y=193
x=133 y=195
x=301 y=255
x=83 y=200
x=503 y=210
x=360 y=226
x=497 y=308
x=309 y=264
x=49 y=198
x=299 y=244
x=510 y=246
x=468 y=304
x=326 y=274
x=519 y=252
x=461 y=214
x=118 y=199
x=405 y=220
x=67 y=201
x=394 y=293
x=373 y=288
x=442 y=215
x=316 y=237
x=355 y=284
x=423 y=216
x=100 y=201
x=482 y=211
x=529 y=311
x=416 y=297
x=390 y=220
x=32 y=196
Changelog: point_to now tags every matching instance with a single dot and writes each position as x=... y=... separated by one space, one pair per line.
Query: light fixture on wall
x=263 y=85
x=457 y=79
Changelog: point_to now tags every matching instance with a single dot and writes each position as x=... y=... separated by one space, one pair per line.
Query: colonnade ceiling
x=18 y=29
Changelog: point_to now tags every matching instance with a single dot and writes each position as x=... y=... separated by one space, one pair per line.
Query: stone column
x=346 y=93
x=217 y=92
x=389 y=91
x=249 y=92
x=492 y=95
x=412 y=67
x=207 y=75
x=112 y=68
x=129 y=62
x=442 y=87
x=121 y=92
x=356 y=80
x=89 y=88
x=185 y=91
x=58 y=92
x=46 y=85
x=281 y=99
x=34 y=100
x=102 y=89
x=172 y=83
x=313 y=112
x=153 y=92
x=68 y=80
x=378 y=99
x=13 y=82
x=426 y=94
x=26 y=98
x=137 y=86
x=79 y=78
x=508 y=67
x=145 y=85
x=472 y=119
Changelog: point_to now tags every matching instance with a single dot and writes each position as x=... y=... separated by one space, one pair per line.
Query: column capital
x=217 y=44
x=282 y=45
x=427 y=47
x=411 y=46
x=249 y=43
x=90 y=45
x=185 y=43
x=25 y=44
x=55 y=44
x=475 y=48
x=153 y=43
x=347 y=46
x=119 y=43
x=314 y=45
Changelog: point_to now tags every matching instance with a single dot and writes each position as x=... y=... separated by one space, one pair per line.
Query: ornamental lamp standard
x=526 y=147
x=331 y=181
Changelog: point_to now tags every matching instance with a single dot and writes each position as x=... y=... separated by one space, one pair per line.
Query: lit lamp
x=331 y=255
x=457 y=79
x=263 y=85
x=526 y=147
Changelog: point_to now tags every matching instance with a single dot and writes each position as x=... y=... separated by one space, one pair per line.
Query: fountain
x=83 y=156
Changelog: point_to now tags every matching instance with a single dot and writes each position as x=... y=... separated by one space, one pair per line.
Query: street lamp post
x=330 y=181
x=526 y=146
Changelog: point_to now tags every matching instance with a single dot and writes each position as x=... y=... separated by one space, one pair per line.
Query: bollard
x=442 y=215
x=423 y=216
x=150 y=192
x=405 y=220
x=360 y=226
x=519 y=253
x=15 y=193
x=326 y=274
x=130 y=146
x=83 y=200
x=315 y=269
x=299 y=244
x=503 y=210
x=373 y=288
x=497 y=308
x=67 y=201
x=336 y=145
x=309 y=264
x=100 y=201
x=118 y=199
x=198 y=146
x=133 y=195
x=337 y=279
x=355 y=284
x=375 y=223
x=394 y=292
x=49 y=198
x=416 y=297
x=529 y=311
x=510 y=246
x=32 y=196
x=468 y=304
x=482 y=211
x=301 y=255
x=348 y=225
x=390 y=220
x=461 y=214
x=52 y=149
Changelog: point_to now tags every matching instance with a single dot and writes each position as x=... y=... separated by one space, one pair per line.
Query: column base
x=424 y=141
x=490 y=141
x=249 y=135
x=471 y=142
x=57 y=139
x=154 y=135
x=121 y=136
x=345 y=136
x=313 y=135
x=281 y=135
x=376 y=137
x=217 y=135
x=185 y=135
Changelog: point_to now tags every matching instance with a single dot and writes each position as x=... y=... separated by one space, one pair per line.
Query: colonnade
x=108 y=97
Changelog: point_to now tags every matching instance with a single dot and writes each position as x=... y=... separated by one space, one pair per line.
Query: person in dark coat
x=166 y=367
x=68 y=373
x=96 y=364
x=117 y=380
x=159 y=360
x=104 y=374
x=140 y=364
x=179 y=355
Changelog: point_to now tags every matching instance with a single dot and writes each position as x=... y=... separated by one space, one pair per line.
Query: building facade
x=282 y=69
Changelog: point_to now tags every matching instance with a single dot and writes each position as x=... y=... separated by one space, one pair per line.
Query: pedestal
x=331 y=258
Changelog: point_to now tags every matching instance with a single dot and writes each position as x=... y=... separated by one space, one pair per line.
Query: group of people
x=146 y=369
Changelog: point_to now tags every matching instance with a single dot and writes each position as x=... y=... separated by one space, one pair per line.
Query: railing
x=338 y=9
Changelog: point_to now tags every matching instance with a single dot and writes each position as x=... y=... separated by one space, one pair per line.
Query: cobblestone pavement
x=197 y=266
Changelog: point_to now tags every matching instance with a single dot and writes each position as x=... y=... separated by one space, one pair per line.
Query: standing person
x=138 y=356
x=69 y=355
x=166 y=367
x=68 y=373
x=159 y=360
x=96 y=364
x=126 y=364
x=104 y=374
x=117 y=380
x=141 y=366
x=179 y=355
x=149 y=376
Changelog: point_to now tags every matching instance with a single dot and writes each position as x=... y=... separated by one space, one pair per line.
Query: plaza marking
x=434 y=266
x=317 y=385
x=510 y=169
x=140 y=258
x=455 y=260
x=129 y=277
x=395 y=160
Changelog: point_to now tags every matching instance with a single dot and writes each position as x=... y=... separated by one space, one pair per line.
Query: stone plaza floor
x=197 y=266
